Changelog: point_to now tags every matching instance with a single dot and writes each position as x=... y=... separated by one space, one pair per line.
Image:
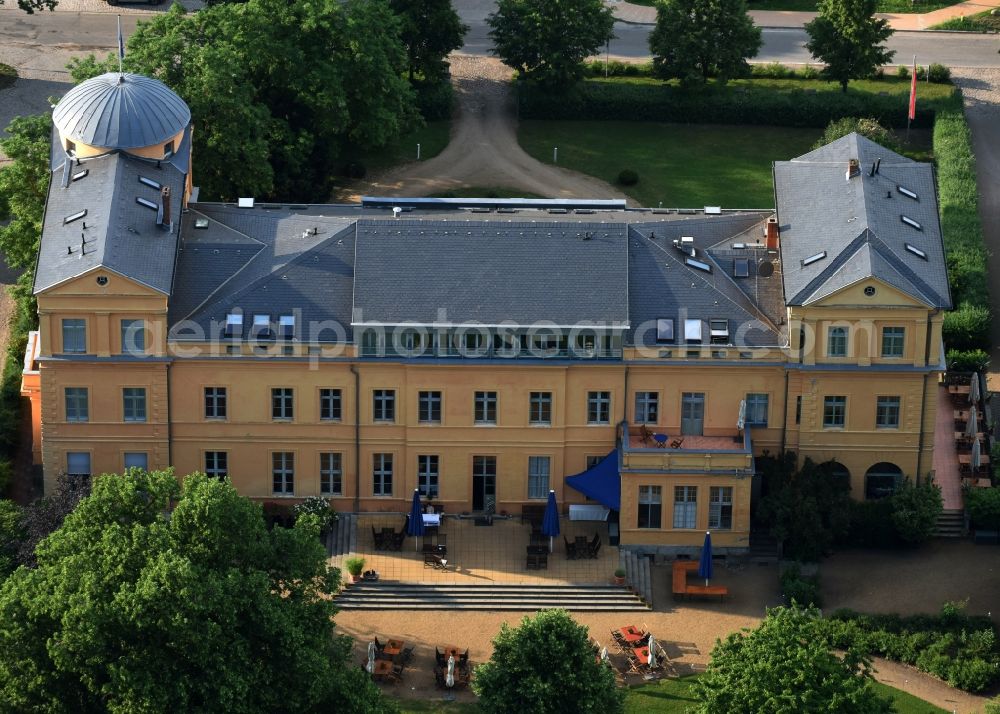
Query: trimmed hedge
x=960 y=649
x=717 y=104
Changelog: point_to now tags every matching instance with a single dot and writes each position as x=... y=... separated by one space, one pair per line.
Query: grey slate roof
x=120 y=234
x=121 y=111
x=662 y=285
x=858 y=223
x=490 y=272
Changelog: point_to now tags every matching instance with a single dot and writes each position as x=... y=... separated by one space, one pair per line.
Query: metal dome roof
x=121 y=111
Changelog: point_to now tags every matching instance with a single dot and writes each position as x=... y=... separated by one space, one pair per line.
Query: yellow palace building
x=483 y=352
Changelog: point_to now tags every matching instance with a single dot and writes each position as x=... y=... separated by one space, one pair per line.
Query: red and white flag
x=913 y=90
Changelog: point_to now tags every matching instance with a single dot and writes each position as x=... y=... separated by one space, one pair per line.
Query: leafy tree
x=545 y=665
x=868 y=128
x=696 y=39
x=29 y=6
x=984 y=507
x=136 y=607
x=785 y=666
x=849 y=39
x=430 y=30
x=273 y=88
x=45 y=515
x=10 y=536
x=915 y=510
x=809 y=509
x=547 y=41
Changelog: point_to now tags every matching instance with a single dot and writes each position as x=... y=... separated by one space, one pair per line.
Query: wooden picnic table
x=984 y=459
x=452 y=651
x=632 y=633
x=393 y=647
x=963 y=414
x=383 y=669
x=959 y=388
x=962 y=436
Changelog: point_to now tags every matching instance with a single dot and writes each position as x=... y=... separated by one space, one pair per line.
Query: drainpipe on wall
x=357 y=438
x=625 y=399
x=923 y=397
x=784 y=426
x=170 y=460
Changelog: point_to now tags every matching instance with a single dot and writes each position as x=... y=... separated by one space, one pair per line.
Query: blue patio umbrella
x=416 y=525
x=705 y=563
x=550 y=521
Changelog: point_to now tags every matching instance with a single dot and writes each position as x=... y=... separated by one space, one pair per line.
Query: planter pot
x=619 y=580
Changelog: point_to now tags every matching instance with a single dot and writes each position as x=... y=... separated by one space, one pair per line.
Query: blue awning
x=602 y=483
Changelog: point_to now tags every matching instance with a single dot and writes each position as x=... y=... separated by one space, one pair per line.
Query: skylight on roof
x=665 y=330
x=741 y=268
x=201 y=223
x=692 y=330
x=814 y=258
x=698 y=265
x=907 y=192
x=80 y=174
x=75 y=216
x=147 y=203
x=261 y=320
x=149 y=182
x=910 y=222
x=916 y=251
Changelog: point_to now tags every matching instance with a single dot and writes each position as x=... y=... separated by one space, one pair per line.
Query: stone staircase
x=343 y=537
x=763 y=547
x=950 y=524
x=388 y=595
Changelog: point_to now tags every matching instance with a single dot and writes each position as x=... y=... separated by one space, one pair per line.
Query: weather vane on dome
x=121 y=51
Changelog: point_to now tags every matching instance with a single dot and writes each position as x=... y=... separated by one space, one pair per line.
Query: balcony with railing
x=648 y=450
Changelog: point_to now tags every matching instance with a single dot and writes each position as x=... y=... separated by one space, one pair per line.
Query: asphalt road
x=94 y=32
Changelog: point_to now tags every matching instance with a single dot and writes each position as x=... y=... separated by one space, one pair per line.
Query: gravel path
x=981 y=88
x=483 y=150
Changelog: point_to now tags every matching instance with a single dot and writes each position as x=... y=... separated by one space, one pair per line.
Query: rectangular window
x=261 y=329
x=429 y=407
x=836 y=342
x=330 y=405
x=887 y=413
x=647 y=407
x=77 y=407
x=593 y=461
x=685 y=506
x=136 y=460
x=283 y=472
x=598 y=407
x=538 y=476
x=217 y=464
x=215 y=402
x=650 y=505
x=664 y=330
x=286 y=326
x=540 y=408
x=282 y=403
x=719 y=331
x=74 y=336
x=485 y=408
x=834 y=411
x=892 y=341
x=78 y=464
x=234 y=325
x=720 y=508
x=134 y=403
x=427 y=475
x=756 y=410
x=384 y=405
x=331 y=474
x=133 y=337
x=382 y=475
x=798 y=409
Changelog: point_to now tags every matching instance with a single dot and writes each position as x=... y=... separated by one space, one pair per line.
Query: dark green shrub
x=809 y=72
x=984 y=507
x=939 y=74
x=435 y=100
x=921 y=73
x=915 y=510
x=771 y=70
x=628 y=177
x=970 y=361
x=967 y=328
x=800 y=589
x=903 y=71
x=871 y=525
x=866 y=127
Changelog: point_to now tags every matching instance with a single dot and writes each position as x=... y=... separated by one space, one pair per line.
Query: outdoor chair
x=406 y=655
x=379 y=648
x=441 y=540
x=531 y=562
x=432 y=559
x=440 y=658
x=676 y=443
x=439 y=678
x=645 y=434
x=570 y=549
x=379 y=539
x=397 y=540
x=595 y=546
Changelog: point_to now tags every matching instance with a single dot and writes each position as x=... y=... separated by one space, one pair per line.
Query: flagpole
x=912 y=107
x=121 y=48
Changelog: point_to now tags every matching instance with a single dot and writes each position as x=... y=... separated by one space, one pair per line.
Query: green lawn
x=679 y=165
x=980 y=22
x=810 y=5
x=668 y=696
x=432 y=139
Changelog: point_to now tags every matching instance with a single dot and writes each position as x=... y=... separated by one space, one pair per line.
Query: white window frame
x=685 y=515
x=539 y=476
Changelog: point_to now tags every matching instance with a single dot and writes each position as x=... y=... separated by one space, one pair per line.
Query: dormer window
x=70 y=147
x=665 y=330
x=262 y=327
x=168 y=149
x=719 y=331
x=234 y=324
x=286 y=326
x=692 y=331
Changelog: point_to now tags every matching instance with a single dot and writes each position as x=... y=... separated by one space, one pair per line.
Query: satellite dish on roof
x=765 y=269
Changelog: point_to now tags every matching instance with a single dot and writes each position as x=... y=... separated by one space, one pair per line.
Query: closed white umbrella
x=652 y=652
x=371 y=658
x=977 y=455
x=741 y=419
x=449 y=679
x=974 y=388
x=604 y=654
x=972 y=428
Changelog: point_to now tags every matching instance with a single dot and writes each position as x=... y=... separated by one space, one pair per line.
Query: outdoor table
x=393 y=647
x=632 y=633
x=537 y=538
x=959 y=388
x=581 y=540
x=962 y=436
x=537 y=550
x=984 y=459
x=641 y=654
x=383 y=668
x=661 y=440
x=452 y=651
x=983 y=483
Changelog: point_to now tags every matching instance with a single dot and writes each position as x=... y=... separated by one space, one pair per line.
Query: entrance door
x=484 y=483
x=693 y=413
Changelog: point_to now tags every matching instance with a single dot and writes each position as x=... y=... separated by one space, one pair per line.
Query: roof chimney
x=771 y=233
x=163 y=215
x=853 y=169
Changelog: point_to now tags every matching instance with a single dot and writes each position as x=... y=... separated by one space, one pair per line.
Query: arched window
x=882 y=479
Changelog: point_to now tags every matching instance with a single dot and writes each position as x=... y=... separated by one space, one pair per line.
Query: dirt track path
x=483 y=150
